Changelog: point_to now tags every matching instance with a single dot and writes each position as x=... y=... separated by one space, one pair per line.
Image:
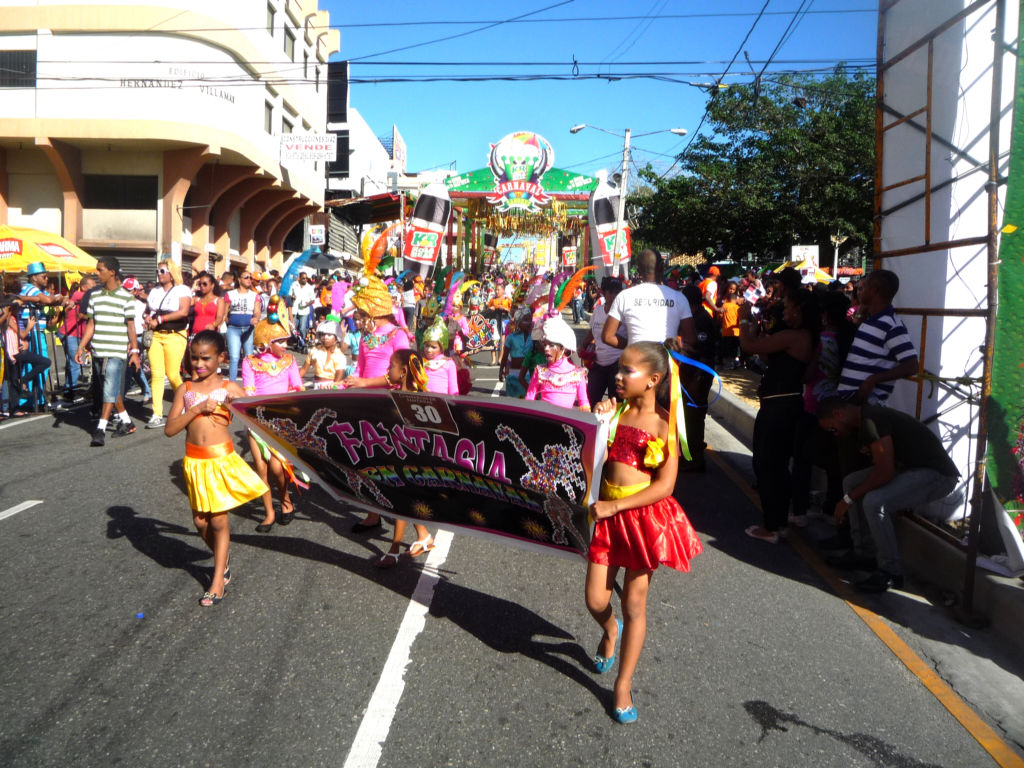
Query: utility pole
x=621 y=213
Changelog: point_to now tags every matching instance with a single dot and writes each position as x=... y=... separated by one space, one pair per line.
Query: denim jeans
x=113 y=378
x=239 y=339
x=302 y=325
x=577 y=311
x=72 y=370
x=871 y=516
x=33 y=384
x=133 y=376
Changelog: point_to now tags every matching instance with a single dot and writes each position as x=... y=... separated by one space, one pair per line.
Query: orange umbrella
x=21 y=246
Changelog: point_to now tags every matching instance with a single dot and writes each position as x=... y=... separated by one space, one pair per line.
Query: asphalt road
x=108 y=659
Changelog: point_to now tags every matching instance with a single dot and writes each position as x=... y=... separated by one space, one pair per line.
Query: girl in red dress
x=639 y=524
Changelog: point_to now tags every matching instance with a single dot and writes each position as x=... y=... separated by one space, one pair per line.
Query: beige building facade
x=147 y=129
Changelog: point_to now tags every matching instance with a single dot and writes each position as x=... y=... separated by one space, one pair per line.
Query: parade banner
x=1005 y=459
x=524 y=472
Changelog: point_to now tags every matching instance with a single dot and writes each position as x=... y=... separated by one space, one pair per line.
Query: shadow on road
x=507 y=627
x=158 y=540
x=873 y=748
x=501 y=624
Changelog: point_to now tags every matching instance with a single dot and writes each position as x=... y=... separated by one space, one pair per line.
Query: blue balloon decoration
x=293 y=271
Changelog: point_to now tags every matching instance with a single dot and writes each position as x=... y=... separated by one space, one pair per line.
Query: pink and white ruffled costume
x=560 y=384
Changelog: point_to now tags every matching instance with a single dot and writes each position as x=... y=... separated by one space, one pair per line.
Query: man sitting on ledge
x=910 y=467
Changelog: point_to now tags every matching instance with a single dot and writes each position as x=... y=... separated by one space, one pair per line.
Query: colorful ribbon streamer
x=684 y=360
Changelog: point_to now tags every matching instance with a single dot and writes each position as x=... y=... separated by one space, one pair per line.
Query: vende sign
x=309 y=146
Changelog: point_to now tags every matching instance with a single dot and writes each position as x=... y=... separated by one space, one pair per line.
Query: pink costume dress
x=559 y=384
x=265 y=374
x=645 y=537
x=442 y=375
x=375 y=350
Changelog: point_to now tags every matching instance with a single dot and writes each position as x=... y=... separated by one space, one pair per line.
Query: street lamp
x=621 y=212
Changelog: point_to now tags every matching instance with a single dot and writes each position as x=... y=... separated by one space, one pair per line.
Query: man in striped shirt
x=111 y=334
x=882 y=351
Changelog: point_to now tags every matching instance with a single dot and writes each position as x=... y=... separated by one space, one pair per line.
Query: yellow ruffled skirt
x=218 y=479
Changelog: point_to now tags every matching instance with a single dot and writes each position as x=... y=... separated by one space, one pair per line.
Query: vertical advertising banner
x=425 y=231
x=524 y=472
x=602 y=213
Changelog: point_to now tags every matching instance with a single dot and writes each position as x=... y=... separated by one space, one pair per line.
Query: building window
x=289 y=44
x=318 y=79
x=270 y=19
x=268 y=117
x=305 y=65
x=17 y=69
x=286 y=125
x=118 y=192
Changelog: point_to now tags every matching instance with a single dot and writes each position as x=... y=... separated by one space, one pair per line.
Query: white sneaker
x=155 y=422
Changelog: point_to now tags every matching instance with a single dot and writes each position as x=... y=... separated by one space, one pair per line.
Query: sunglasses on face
x=246 y=277
x=205 y=285
x=163 y=271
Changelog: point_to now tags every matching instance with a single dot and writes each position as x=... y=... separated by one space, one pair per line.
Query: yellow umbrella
x=807 y=268
x=20 y=246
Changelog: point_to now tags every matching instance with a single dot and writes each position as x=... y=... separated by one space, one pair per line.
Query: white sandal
x=425 y=545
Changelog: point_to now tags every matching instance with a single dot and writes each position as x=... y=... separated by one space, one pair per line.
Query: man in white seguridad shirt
x=649 y=311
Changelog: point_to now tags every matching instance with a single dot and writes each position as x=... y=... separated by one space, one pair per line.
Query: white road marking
x=380 y=712
x=497 y=389
x=19 y=508
x=26 y=420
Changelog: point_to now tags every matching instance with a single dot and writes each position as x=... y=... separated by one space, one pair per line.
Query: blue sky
x=455 y=122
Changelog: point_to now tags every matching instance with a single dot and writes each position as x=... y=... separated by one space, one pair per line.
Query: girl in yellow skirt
x=216 y=477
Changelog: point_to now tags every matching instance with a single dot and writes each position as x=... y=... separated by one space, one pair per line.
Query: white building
x=139 y=129
x=368 y=162
x=936 y=74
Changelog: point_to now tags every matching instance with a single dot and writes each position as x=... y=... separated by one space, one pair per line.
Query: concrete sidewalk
x=928 y=559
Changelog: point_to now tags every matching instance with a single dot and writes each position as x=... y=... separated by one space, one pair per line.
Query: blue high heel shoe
x=602 y=664
x=627 y=715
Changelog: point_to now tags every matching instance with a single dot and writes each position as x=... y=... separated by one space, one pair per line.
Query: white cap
x=328 y=327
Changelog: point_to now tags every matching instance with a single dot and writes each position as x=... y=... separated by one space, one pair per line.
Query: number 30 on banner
x=425 y=411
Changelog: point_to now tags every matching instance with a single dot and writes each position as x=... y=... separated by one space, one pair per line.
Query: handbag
x=147 y=339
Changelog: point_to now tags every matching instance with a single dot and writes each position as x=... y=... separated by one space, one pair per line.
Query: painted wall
x=951 y=278
x=33 y=191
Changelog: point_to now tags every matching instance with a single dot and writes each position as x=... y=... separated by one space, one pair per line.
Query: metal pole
x=621 y=213
x=992 y=300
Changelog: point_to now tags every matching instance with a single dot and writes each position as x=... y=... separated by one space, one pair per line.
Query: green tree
x=788 y=162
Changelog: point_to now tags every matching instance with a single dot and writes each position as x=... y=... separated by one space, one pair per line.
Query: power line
x=490 y=25
x=297 y=66
x=785 y=35
x=468 y=22
x=707 y=108
x=143 y=80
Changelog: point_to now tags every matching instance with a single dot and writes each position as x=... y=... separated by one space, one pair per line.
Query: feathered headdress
x=462 y=291
x=371 y=296
x=454 y=285
x=564 y=294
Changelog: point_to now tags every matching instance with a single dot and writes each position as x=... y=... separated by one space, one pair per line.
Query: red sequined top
x=636 y=448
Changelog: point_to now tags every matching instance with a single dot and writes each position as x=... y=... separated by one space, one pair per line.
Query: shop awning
x=368 y=210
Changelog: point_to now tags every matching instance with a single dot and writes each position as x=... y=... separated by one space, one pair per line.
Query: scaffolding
x=902 y=70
